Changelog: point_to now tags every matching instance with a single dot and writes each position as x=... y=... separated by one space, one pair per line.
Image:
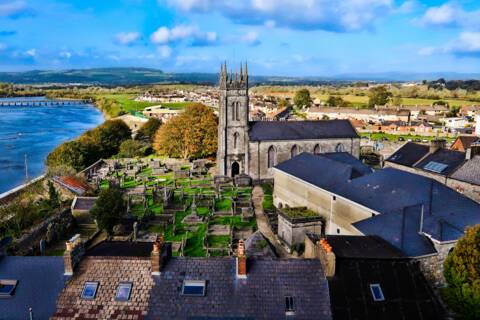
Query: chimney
x=241 y=261
x=437 y=144
x=157 y=256
x=327 y=257
x=73 y=254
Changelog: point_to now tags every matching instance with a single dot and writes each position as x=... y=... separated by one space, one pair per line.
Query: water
x=35 y=132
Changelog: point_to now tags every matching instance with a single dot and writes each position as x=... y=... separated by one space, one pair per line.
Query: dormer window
x=289 y=306
x=7 y=288
x=377 y=292
x=89 y=290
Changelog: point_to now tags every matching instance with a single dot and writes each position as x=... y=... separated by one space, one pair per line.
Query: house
x=161 y=113
x=463 y=142
x=371 y=279
x=454 y=122
x=129 y=280
x=469 y=111
x=366 y=115
x=453 y=168
x=29 y=284
x=134 y=122
x=418 y=215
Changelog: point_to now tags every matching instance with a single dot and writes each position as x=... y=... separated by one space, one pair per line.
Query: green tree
x=462 y=273
x=302 y=99
x=397 y=101
x=378 y=96
x=453 y=111
x=334 y=101
x=72 y=153
x=282 y=103
x=110 y=135
x=109 y=209
x=53 y=196
x=192 y=134
x=131 y=149
x=148 y=130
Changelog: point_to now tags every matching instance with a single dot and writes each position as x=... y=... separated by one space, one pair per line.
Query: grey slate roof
x=84 y=203
x=301 y=130
x=409 y=154
x=40 y=280
x=324 y=171
x=368 y=247
x=260 y=296
x=469 y=171
x=451 y=158
x=398 y=196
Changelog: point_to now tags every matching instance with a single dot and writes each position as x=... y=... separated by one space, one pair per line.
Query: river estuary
x=32 y=132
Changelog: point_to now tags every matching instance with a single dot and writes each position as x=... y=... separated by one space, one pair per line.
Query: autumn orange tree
x=190 y=135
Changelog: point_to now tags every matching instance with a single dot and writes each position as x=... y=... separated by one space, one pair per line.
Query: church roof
x=301 y=130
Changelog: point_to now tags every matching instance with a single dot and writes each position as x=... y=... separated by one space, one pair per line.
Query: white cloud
x=332 y=15
x=165 y=35
x=164 y=52
x=451 y=15
x=31 y=53
x=251 y=38
x=127 y=38
x=467 y=43
x=12 y=8
x=65 y=54
x=426 y=51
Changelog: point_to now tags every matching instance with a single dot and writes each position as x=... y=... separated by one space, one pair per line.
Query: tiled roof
x=301 y=130
x=121 y=248
x=464 y=141
x=409 y=154
x=40 y=280
x=260 y=296
x=451 y=158
x=406 y=292
x=109 y=272
x=469 y=171
x=368 y=247
x=74 y=185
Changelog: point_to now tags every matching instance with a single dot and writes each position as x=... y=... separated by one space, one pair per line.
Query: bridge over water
x=42 y=103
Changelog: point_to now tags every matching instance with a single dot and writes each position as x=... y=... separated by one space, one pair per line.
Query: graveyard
x=201 y=215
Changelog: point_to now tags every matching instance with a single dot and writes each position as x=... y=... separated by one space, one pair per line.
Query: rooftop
x=469 y=172
x=409 y=154
x=301 y=130
x=262 y=295
x=40 y=280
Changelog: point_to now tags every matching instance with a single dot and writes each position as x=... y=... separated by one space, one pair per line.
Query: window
x=237 y=111
x=436 y=167
x=316 y=149
x=271 y=157
x=289 y=305
x=193 y=288
x=338 y=231
x=235 y=140
x=7 y=288
x=377 y=292
x=123 y=291
x=340 y=148
x=89 y=290
x=294 y=151
x=233 y=110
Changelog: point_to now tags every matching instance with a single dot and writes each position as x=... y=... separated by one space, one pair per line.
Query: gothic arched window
x=234 y=110
x=316 y=149
x=237 y=111
x=294 y=151
x=272 y=157
x=235 y=140
x=340 y=148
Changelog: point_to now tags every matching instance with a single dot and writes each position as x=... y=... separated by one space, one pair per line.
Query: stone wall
x=432 y=266
x=293 y=233
x=257 y=158
x=51 y=229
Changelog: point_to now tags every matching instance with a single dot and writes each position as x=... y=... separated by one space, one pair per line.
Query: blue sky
x=276 y=37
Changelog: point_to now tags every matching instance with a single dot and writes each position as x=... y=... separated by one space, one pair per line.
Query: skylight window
x=7 y=288
x=124 y=290
x=289 y=305
x=193 y=288
x=436 y=167
x=377 y=292
x=89 y=290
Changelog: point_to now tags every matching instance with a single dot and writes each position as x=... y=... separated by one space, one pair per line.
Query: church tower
x=232 y=151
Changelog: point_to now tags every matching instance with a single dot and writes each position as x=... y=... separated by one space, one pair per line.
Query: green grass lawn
x=267 y=196
x=234 y=221
x=223 y=205
x=394 y=137
x=218 y=241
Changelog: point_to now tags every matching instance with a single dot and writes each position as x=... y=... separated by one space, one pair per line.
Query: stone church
x=255 y=147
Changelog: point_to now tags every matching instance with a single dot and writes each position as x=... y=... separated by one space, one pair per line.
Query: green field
x=395 y=137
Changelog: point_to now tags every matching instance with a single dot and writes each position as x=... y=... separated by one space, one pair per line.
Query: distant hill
x=138 y=76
